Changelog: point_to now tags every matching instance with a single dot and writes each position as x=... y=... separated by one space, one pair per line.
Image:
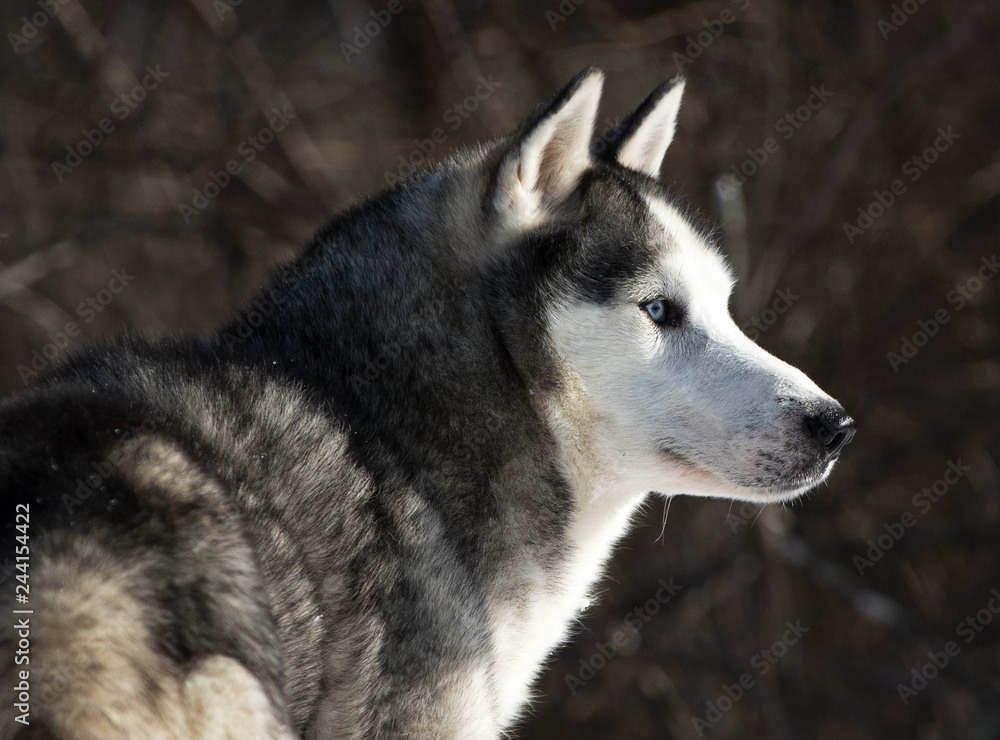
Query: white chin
x=692 y=480
x=785 y=491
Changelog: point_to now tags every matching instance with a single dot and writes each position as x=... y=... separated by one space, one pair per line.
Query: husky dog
x=372 y=504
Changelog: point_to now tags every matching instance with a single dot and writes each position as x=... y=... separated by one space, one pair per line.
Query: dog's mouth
x=772 y=483
x=799 y=482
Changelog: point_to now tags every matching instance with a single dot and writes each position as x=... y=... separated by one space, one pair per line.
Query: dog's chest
x=529 y=621
x=526 y=628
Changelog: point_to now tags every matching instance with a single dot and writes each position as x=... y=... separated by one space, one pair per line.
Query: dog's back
x=149 y=608
x=211 y=558
x=288 y=525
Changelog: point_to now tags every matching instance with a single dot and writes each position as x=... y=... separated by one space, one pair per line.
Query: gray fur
x=313 y=518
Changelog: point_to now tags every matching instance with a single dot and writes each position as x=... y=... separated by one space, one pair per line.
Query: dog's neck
x=602 y=505
x=604 y=497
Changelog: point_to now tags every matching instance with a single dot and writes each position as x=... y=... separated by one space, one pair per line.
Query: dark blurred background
x=115 y=114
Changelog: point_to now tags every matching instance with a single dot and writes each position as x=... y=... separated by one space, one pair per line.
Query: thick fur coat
x=371 y=505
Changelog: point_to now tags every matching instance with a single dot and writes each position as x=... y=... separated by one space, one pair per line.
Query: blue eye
x=663 y=313
x=657 y=311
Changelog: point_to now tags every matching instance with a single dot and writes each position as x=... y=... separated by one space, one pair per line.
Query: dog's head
x=614 y=305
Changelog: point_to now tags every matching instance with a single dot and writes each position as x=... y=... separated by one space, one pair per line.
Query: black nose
x=833 y=429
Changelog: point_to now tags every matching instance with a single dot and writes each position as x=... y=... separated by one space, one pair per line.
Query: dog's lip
x=803 y=480
x=785 y=486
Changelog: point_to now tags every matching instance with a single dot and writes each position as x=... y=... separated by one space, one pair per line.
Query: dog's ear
x=549 y=154
x=640 y=141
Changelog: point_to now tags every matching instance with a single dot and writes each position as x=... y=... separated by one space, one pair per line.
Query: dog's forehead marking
x=689 y=253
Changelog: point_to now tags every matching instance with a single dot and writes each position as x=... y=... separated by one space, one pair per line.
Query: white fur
x=549 y=162
x=628 y=383
x=704 y=392
x=640 y=407
x=532 y=627
x=224 y=701
x=644 y=149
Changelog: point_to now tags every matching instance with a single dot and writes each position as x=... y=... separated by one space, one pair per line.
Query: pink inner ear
x=553 y=161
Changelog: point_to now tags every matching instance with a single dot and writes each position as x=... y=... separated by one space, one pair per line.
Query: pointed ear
x=551 y=151
x=641 y=140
